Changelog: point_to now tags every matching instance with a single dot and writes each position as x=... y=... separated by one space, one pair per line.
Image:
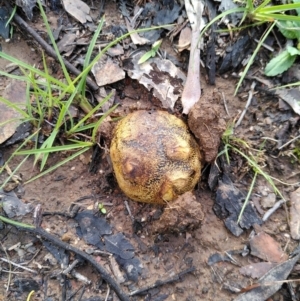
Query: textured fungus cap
x=154 y=157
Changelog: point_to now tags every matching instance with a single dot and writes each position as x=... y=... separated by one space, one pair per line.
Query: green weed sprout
x=151 y=53
x=102 y=208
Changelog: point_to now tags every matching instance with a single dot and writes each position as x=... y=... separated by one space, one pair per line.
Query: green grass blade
x=13 y=76
x=273 y=17
x=12 y=120
x=253 y=56
x=15 y=107
x=21 y=145
x=95 y=130
x=46 y=145
x=220 y=16
x=14 y=172
x=58 y=164
x=60 y=59
x=257 y=169
x=247 y=197
x=278 y=8
x=53 y=149
x=16 y=224
x=49 y=96
x=87 y=116
x=82 y=84
x=32 y=69
x=11 y=15
x=64 y=109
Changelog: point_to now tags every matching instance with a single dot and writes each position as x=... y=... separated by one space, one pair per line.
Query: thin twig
x=18 y=265
x=225 y=104
x=273 y=209
x=107 y=294
x=129 y=211
x=70 y=267
x=80 y=277
x=247 y=104
x=163 y=282
x=286 y=144
x=9 y=264
x=265 y=45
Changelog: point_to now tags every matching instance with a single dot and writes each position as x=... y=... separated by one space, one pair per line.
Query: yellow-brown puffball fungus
x=154 y=157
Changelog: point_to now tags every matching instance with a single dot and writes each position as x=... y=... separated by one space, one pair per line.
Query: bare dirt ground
x=162 y=255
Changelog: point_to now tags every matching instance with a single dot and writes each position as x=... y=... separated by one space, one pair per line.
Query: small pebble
x=268 y=201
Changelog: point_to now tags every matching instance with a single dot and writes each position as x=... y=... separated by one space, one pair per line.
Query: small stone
x=268 y=120
x=268 y=201
x=263 y=190
x=283 y=228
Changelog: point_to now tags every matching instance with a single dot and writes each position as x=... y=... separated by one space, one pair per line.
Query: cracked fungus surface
x=154 y=157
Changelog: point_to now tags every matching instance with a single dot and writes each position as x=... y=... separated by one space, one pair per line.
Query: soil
x=167 y=240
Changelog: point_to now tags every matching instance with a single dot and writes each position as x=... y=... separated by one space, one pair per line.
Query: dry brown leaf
x=78 y=9
x=15 y=92
x=295 y=214
x=267 y=248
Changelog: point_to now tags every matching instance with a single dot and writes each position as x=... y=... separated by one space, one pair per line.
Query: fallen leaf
x=12 y=205
x=15 y=92
x=78 y=9
x=184 y=39
x=295 y=214
x=267 y=248
x=106 y=71
x=27 y=6
x=161 y=75
x=270 y=283
x=257 y=270
x=136 y=39
x=67 y=44
x=290 y=96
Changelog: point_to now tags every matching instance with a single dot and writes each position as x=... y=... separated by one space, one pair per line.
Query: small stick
x=18 y=265
x=80 y=277
x=247 y=104
x=286 y=144
x=272 y=210
x=265 y=45
x=70 y=267
x=225 y=104
x=163 y=282
x=129 y=211
x=107 y=294
x=49 y=50
x=9 y=275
